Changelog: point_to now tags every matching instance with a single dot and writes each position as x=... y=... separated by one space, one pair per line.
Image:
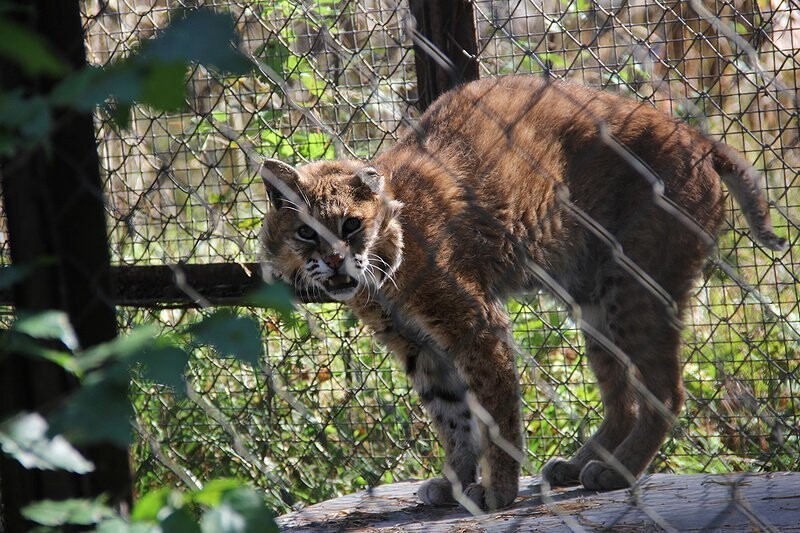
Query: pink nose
x=334 y=261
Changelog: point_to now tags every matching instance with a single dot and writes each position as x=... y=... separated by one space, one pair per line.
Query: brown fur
x=505 y=185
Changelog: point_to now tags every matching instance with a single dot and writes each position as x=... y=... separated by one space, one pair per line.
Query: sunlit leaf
x=212 y=492
x=24 y=438
x=51 y=325
x=61 y=513
x=148 y=506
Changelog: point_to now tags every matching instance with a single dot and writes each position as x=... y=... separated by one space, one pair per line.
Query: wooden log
x=739 y=501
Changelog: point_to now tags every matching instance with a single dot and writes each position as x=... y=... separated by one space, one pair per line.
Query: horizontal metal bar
x=180 y=285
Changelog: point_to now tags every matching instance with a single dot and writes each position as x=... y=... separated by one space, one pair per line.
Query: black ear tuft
x=277 y=175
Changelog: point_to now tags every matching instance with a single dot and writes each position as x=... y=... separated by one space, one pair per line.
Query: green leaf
x=278 y=296
x=13 y=274
x=130 y=347
x=202 y=36
x=26 y=119
x=118 y=525
x=241 y=510
x=24 y=438
x=28 y=50
x=91 y=86
x=164 y=86
x=232 y=335
x=211 y=494
x=51 y=325
x=179 y=521
x=100 y=411
x=60 y=513
x=15 y=342
x=166 y=365
x=148 y=506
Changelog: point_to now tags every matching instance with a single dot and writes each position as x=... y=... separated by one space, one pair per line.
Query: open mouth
x=339 y=282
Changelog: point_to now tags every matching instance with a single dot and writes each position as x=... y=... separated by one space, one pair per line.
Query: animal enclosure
x=327 y=412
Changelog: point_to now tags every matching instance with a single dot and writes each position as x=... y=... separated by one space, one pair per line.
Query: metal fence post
x=53 y=200
x=445 y=46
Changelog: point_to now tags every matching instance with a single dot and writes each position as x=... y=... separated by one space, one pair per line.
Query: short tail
x=742 y=181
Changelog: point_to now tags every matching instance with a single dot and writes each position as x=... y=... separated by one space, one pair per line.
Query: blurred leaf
x=118 y=525
x=278 y=296
x=231 y=335
x=128 y=347
x=249 y=223
x=148 y=506
x=202 y=36
x=13 y=274
x=28 y=50
x=164 y=86
x=24 y=438
x=155 y=75
x=51 y=325
x=179 y=521
x=23 y=121
x=92 y=86
x=100 y=411
x=166 y=365
x=240 y=510
x=60 y=513
x=212 y=492
x=14 y=342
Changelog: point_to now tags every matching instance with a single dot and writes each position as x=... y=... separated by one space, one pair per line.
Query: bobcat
x=505 y=186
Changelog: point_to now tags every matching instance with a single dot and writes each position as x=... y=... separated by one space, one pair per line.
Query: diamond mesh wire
x=328 y=411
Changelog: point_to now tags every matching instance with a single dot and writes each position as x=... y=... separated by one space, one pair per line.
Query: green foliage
x=223 y=506
x=230 y=334
x=100 y=411
x=28 y=50
x=24 y=437
x=68 y=512
x=153 y=76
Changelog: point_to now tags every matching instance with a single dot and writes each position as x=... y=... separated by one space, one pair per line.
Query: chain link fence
x=328 y=412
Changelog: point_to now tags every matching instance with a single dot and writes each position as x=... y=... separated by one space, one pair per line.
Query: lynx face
x=332 y=228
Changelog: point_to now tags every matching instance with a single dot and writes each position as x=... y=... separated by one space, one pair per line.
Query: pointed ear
x=276 y=173
x=372 y=179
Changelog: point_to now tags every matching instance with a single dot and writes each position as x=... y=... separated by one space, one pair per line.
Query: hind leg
x=645 y=332
x=619 y=406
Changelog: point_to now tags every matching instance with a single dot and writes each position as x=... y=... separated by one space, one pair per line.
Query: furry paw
x=561 y=473
x=436 y=491
x=597 y=475
x=488 y=499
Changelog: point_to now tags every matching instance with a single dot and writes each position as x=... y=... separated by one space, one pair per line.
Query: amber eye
x=306 y=233
x=350 y=225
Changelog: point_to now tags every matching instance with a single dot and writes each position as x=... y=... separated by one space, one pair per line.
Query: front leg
x=446 y=369
x=443 y=394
